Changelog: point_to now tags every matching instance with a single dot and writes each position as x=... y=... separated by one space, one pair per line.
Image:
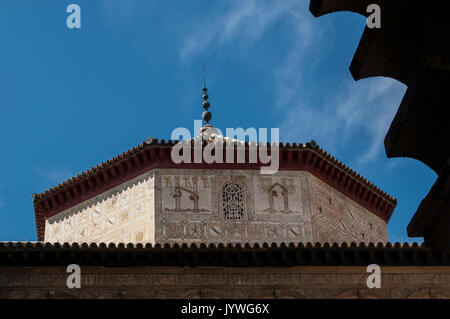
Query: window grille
x=232 y=201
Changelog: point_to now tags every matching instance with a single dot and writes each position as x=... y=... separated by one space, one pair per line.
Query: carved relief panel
x=277 y=195
x=272 y=210
x=185 y=193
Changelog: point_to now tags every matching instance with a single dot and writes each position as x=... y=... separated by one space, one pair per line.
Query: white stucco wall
x=122 y=214
x=187 y=206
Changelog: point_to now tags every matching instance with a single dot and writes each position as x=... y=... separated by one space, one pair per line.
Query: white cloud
x=361 y=112
x=54 y=176
x=244 y=20
x=354 y=111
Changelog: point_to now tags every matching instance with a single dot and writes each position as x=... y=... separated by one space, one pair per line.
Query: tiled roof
x=103 y=165
x=231 y=255
x=155 y=142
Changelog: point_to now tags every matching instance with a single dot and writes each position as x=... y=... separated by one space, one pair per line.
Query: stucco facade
x=124 y=213
x=217 y=206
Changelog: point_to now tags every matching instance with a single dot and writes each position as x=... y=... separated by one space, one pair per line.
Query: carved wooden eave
x=420 y=128
x=412 y=46
x=429 y=221
x=409 y=29
x=157 y=154
x=321 y=7
x=228 y=255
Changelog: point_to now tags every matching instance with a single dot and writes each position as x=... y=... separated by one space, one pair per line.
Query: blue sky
x=70 y=99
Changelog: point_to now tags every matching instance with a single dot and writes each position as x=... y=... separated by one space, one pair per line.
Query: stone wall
x=222 y=282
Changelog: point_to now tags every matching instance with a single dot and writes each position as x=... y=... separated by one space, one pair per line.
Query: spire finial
x=204 y=77
x=206 y=116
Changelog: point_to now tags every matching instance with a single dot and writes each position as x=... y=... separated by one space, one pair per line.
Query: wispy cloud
x=244 y=21
x=353 y=112
x=53 y=176
x=362 y=112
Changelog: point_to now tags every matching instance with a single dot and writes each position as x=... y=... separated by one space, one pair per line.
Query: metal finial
x=204 y=77
x=206 y=116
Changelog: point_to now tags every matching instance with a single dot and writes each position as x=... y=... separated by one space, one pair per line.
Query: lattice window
x=232 y=201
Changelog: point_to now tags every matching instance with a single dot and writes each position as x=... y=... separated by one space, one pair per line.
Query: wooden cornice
x=20 y=254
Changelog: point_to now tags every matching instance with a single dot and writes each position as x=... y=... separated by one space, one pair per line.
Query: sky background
x=73 y=98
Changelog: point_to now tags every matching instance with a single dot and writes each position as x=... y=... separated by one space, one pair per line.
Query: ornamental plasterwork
x=123 y=214
x=336 y=218
x=219 y=282
x=231 y=194
x=189 y=206
x=185 y=193
x=277 y=195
